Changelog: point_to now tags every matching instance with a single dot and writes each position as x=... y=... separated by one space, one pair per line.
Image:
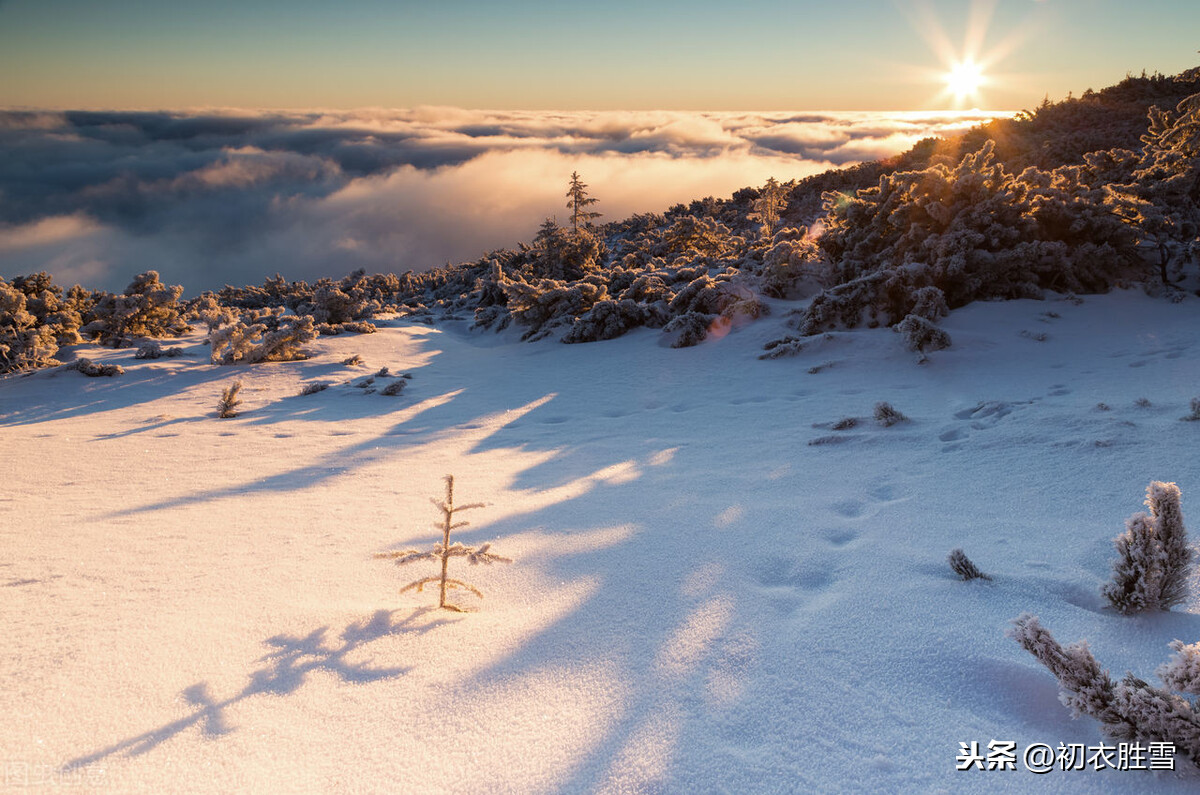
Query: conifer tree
x=769 y=204
x=443 y=551
x=579 y=201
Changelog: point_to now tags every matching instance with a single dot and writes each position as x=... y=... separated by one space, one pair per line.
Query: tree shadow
x=286 y=668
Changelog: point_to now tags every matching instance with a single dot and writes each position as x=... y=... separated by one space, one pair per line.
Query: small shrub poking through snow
x=963 y=566
x=921 y=335
x=442 y=552
x=1195 y=407
x=94 y=369
x=887 y=416
x=394 y=388
x=152 y=350
x=845 y=424
x=1152 y=570
x=313 y=388
x=1131 y=709
x=227 y=405
x=353 y=361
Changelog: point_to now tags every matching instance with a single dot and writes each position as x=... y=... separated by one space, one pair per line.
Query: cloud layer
x=232 y=197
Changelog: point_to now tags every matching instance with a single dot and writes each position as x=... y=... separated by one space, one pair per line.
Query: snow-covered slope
x=712 y=589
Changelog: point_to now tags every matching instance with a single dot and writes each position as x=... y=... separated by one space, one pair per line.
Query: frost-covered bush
x=974 y=232
x=208 y=310
x=607 y=320
x=793 y=260
x=963 y=567
x=539 y=303
x=313 y=388
x=351 y=327
x=394 y=388
x=95 y=369
x=240 y=343
x=691 y=328
x=152 y=350
x=1152 y=570
x=227 y=405
x=1194 y=406
x=921 y=335
x=887 y=416
x=1129 y=710
x=147 y=308
x=36 y=318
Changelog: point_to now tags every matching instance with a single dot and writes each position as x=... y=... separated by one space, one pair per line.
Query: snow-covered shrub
x=539 y=303
x=845 y=424
x=442 y=552
x=1152 y=570
x=147 y=308
x=239 y=342
x=691 y=328
x=1194 y=416
x=313 y=388
x=1129 y=710
x=210 y=311
x=394 y=388
x=227 y=405
x=963 y=567
x=921 y=335
x=887 y=416
x=607 y=320
x=974 y=232
x=35 y=319
x=353 y=361
x=793 y=260
x=351 y=327
x=95 y=369
x=152 y=350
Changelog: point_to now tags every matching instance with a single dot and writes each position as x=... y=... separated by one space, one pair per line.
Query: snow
x=702 y=599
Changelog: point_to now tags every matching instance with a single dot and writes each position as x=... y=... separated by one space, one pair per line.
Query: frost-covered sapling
x=443 y=551
x=963 y=566
x=227 y=405
x=1152 y=570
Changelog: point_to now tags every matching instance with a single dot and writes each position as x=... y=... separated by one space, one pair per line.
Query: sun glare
x=964 y=80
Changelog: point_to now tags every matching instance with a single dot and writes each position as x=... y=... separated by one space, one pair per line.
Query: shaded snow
x=702 y=599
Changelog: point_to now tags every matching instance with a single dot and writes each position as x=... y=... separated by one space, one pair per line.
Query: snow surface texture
x=700 y=599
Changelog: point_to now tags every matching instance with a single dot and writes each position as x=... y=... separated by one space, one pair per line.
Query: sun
x=964 y=80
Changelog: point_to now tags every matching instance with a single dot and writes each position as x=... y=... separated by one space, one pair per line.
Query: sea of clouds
x=231 y=197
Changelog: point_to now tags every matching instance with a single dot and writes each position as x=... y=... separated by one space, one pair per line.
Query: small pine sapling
x=963 y=566
x=445 y=550
x=1152 y=570
x=227 y=405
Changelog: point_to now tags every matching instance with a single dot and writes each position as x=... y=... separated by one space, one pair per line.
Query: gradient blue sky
x=530 y=54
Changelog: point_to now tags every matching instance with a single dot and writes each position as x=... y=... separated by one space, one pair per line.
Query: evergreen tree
x=579 y=201
x=442 y=552
x=770 y=203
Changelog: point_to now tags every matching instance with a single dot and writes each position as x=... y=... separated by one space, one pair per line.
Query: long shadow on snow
x=288 y=664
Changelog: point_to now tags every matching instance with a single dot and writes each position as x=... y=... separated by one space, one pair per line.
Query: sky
x=223 y=142
x=615 y=55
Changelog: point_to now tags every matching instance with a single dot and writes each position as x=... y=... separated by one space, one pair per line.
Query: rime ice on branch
x=444 y=551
